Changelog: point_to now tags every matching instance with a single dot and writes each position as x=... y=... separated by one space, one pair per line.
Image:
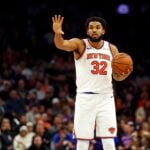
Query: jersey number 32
x=99 y=67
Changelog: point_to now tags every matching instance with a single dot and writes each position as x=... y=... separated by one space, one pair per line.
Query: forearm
x=58 y=40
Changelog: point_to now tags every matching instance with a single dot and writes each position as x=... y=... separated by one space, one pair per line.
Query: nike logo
x=88 y=48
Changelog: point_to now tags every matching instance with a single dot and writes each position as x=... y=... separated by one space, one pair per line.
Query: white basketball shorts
x=94 y=113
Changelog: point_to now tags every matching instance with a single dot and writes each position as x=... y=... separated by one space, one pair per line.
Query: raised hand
x=57 y=24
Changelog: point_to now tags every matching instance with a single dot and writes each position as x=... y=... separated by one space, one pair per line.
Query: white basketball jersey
x=93 y=69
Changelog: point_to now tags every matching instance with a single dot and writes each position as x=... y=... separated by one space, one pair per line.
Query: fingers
x=58 y=18
x=61 y=20
x=127 y=73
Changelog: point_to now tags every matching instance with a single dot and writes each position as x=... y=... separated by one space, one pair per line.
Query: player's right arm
x=61 y=43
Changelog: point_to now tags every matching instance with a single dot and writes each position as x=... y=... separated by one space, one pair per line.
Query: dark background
x=130 y=31
x=31 y=20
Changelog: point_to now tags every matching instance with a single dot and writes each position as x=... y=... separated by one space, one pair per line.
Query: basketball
x=121 y=63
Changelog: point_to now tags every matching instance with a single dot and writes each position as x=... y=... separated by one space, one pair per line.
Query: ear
x=103 y=32
x=87 y=32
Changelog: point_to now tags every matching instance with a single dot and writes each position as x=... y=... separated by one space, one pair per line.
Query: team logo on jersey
x=111 y=130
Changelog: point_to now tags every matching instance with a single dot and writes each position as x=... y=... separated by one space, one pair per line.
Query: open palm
x=57 y=24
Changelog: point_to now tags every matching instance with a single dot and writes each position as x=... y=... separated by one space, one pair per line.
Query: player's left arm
x=116 y=76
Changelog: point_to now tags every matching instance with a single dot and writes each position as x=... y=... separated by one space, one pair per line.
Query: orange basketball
x=121 y=63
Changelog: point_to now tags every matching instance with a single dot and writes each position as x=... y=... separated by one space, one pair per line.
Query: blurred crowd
x=37 y=87
x=37 y=99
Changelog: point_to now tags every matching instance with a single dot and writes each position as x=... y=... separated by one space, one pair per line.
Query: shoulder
x=69 y=135
x=17 y=137
x=76 y=40
x=80 y=44
x=56 y=137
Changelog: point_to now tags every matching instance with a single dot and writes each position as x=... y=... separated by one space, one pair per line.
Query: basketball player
x=94 y=107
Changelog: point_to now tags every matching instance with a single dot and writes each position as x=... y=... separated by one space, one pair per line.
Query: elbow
x=58 y=46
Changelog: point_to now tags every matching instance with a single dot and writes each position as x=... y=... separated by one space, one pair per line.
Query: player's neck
x=97 y=45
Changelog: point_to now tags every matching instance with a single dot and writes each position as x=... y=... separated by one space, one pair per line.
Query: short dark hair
x=96 y=18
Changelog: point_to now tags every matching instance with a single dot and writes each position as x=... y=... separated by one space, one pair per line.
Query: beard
x=98 y=39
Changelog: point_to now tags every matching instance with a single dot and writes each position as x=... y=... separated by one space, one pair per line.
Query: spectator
x=43 y=132
x=62 y=140
x=30 y=128
x=7 y=135
x=21 y=140
x=14 y=105
x=37 y=144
